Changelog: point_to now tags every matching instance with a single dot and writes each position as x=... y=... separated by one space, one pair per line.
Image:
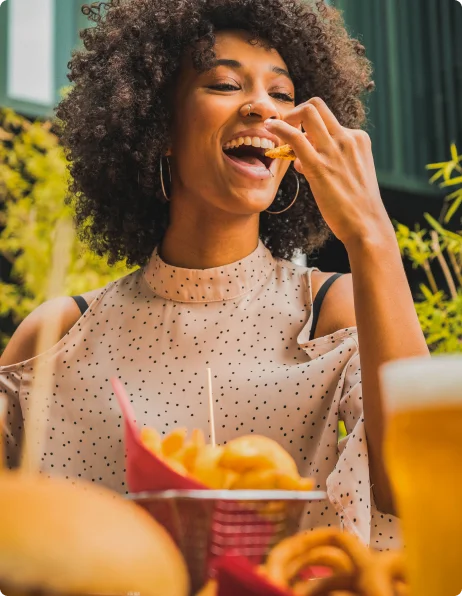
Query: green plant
x=33 y=185
x=440 y=315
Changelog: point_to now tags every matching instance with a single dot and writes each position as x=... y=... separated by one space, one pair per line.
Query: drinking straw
x=211 y=412
x=3 y=406
x=49 y=334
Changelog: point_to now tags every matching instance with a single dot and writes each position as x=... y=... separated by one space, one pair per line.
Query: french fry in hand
x=282 y=152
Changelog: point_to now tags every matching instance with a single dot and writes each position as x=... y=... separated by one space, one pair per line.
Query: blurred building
x=415 y=112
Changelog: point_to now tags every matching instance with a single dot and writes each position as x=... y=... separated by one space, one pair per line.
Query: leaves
x=34 y=181
x=441 y=322
x=440 y=317
x=445 y=170
x=457 y=197
x=413 y=245
x=446 y=234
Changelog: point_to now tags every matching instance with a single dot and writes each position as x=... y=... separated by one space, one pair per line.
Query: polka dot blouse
x=158 y=329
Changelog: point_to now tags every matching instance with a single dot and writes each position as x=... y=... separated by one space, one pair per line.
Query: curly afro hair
x=115 y=121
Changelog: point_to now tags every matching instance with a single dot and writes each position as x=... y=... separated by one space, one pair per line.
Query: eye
x=283 y=96
x=224 y=87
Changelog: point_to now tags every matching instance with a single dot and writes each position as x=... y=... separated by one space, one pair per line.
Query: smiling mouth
x=249 y=155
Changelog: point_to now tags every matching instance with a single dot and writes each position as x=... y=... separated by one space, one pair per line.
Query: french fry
x=249 y=462
x=152 y=440
x=174 y=441
x=176 y=466
x=294 y=482
x=192 y=449
x=208 y=471
x=255 y=452
x=261 y=479
x=282 y=152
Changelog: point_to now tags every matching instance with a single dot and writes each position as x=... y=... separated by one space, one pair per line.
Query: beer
x=423 y=455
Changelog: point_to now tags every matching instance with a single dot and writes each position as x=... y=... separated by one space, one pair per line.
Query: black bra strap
x=319 y=299
x=81 y=303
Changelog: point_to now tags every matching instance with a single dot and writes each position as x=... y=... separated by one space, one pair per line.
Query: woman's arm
x=339 y=166
x=388 y=329
x=377 y=299
x=23 y=344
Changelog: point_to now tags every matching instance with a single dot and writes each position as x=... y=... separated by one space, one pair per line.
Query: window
x=36 y=40
x=30 y=71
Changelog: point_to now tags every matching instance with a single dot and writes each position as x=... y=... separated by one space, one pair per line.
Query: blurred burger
x=68 y=538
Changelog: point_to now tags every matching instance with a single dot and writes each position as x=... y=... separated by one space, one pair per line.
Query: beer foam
x=414 y=383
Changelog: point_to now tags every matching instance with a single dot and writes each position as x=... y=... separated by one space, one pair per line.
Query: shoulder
x=22 y=345
x=338 y=310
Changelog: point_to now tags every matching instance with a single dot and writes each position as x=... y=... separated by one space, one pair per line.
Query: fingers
x=299 y=142
x=312 y=122
x=319 y=123
x=331 y=125
x=319 y=127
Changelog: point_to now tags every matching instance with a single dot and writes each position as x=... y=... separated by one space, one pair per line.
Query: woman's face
x=210 y=110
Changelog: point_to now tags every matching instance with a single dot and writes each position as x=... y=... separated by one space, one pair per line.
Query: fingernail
x=269 y=123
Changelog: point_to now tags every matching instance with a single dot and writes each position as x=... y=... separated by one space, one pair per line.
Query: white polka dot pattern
x=158 y=329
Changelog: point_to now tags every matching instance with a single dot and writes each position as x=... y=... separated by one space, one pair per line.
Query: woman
x=173 y=107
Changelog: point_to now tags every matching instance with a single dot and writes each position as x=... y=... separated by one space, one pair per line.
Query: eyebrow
x=236 y=64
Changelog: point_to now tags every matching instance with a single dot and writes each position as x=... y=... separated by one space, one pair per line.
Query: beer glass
x=423 y=454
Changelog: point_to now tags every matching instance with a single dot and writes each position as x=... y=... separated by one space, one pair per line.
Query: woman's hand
x=339 y=167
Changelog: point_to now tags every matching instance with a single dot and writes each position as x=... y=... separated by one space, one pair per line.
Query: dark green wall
x=416 y=110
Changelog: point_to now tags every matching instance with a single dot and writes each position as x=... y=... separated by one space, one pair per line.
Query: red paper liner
x=144 y=470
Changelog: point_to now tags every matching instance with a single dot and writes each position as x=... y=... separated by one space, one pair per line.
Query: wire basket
x=206 y=524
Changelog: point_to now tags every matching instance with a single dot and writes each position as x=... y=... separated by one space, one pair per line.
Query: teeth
x=254 y=141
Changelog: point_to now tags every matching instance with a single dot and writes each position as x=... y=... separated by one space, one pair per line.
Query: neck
x=196 y=242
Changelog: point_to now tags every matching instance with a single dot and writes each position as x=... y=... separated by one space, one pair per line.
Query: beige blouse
x=158 y=329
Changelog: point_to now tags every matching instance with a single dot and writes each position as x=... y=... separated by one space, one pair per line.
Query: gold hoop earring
x=162 y=178
x=293 y=200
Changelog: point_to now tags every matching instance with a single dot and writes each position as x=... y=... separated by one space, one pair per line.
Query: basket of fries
x=208 y=524
x=241 y=498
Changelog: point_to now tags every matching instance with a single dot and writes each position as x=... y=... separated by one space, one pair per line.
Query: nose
x=261 y=108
